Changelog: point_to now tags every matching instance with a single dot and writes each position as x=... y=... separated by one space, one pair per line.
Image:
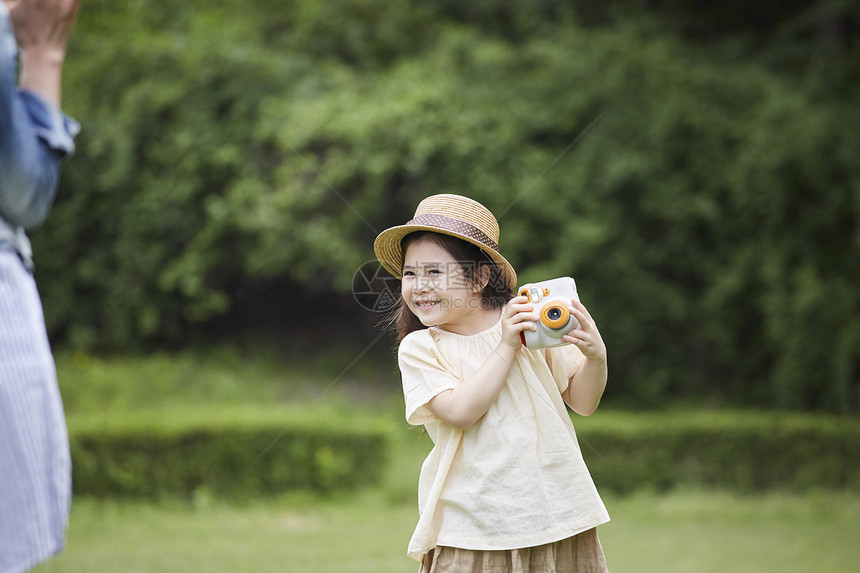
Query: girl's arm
x=464 y=405
x=586 y=387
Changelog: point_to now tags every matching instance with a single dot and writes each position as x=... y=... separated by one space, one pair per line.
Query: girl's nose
x=421 y=284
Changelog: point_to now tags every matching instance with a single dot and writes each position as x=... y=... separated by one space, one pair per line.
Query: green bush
x=242 y=454
x=710 y=215
x=227 y=457
x=738 y=452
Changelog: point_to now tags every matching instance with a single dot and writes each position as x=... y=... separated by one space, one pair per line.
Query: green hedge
x=243 y=455
x=736 y=451
x=231 y=458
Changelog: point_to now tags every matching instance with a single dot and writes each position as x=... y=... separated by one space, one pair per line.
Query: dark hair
x=471 y=258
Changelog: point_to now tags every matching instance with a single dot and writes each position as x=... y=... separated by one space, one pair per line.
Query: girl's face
x=437 y=291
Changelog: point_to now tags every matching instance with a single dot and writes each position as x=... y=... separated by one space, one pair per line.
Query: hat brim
x=389 y=250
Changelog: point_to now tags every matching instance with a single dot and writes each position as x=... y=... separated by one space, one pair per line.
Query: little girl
x=505 y=488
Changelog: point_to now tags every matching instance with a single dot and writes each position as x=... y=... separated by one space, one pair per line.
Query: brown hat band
x=455 y=226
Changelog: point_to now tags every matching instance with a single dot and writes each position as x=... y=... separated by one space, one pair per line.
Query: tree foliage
x=704 y=191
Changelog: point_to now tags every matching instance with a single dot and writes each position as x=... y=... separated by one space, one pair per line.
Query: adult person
x=35 y=466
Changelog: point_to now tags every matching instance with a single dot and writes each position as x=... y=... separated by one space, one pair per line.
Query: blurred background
x=693 y=165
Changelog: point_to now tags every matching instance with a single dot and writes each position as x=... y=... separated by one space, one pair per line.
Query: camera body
x=551 y=300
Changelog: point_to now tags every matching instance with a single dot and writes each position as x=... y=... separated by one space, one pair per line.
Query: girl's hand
x=587 y=338
x=518 y=315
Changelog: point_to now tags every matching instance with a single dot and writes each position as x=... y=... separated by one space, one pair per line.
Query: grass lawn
x=718 y=532
x=677 y=532
x=364 y=536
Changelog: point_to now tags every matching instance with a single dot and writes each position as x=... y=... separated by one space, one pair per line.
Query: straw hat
x=447 y=214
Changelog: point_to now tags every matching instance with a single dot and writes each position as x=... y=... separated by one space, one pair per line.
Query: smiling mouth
x=426 y=304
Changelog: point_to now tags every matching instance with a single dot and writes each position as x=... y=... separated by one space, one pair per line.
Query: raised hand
x=42 y=29
x=518 y=315
x=587 y=338
x=43 y=23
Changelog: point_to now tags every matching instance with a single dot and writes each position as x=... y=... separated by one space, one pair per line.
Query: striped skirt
x=35 y=466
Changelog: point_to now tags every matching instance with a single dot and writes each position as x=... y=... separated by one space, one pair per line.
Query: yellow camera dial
x=534 y=294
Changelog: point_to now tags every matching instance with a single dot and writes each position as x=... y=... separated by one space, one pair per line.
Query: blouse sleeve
x=564 y=362
x=423 y=375
x=34 y=137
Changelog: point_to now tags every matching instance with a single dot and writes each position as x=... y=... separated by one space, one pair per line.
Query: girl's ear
x=482 y=277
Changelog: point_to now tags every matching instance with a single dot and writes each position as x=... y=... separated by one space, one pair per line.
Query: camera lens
x=555 y=315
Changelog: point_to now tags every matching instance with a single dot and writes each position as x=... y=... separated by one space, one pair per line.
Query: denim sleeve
x=34 y=137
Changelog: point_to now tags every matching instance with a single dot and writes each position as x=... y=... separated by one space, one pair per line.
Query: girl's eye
x=408 y=274
x=434 y=272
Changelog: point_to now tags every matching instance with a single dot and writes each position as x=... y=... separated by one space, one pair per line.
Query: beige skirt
x=578 y=554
